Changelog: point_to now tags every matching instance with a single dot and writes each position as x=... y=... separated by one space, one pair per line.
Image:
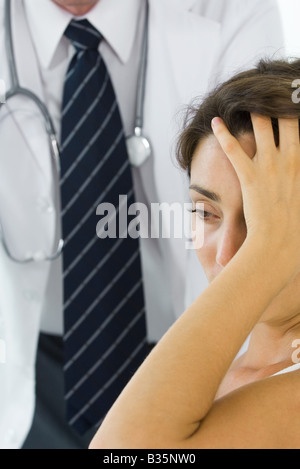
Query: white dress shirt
x=122 y=26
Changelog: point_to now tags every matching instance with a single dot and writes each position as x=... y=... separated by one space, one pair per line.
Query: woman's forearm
x=172 y=392
x=174 y=389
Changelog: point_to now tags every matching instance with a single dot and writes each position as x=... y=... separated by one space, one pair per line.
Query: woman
x=245 y=173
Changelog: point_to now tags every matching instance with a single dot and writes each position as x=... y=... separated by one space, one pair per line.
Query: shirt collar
x=115 y=19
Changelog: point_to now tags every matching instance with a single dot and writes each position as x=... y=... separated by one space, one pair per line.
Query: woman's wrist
x=268 y=259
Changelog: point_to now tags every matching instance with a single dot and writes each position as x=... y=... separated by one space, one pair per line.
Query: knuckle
x=292 y=159
x=264 y=124
x=229 y=145
x=261 y=122
x=293 y=148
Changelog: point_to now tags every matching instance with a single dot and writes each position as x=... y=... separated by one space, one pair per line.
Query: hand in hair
x=270 y=184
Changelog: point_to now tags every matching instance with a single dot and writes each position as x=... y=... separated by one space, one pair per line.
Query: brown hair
x=267 y=90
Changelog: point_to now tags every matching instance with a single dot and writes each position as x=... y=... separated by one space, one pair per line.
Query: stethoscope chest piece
x=138 y=147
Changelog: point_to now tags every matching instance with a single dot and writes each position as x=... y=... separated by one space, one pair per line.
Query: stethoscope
x=139 y=148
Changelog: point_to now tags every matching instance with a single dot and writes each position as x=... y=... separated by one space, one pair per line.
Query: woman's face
x=215 y=185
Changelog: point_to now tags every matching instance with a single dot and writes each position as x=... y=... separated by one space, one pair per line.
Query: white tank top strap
x=289 y=369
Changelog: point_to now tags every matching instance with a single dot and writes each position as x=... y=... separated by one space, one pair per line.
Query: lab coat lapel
x=30 y=77
x=180 y=41
x=191 y=41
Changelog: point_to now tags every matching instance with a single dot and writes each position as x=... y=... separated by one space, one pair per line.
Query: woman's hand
x=270 y=184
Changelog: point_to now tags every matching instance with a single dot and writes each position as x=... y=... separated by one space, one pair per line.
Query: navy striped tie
x=105 y=326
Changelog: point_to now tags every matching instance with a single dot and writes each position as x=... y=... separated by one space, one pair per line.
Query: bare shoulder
x=264 y=415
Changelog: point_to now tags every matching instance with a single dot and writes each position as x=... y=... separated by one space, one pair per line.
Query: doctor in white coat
x=192 y=45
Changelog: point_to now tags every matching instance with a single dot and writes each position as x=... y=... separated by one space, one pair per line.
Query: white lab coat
x=191 y=41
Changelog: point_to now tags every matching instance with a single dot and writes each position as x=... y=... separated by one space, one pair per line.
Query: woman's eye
x=204 y=215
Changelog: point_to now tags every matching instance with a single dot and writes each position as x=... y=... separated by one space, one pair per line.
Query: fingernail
x=216 y=121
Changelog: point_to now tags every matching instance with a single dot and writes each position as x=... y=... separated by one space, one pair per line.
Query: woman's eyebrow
x=210 y=195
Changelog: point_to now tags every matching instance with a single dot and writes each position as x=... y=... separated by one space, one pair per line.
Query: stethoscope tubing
x=17 y=90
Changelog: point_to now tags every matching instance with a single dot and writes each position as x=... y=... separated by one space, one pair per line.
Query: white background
x=290 y=11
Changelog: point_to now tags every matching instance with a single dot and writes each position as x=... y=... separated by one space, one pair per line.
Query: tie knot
x=83 y=35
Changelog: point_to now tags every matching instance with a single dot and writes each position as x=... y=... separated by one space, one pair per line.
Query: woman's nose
x=230 y=241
